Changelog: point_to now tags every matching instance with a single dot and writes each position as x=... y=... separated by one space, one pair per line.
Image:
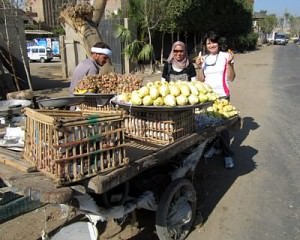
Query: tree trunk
x=99 y=7
x=151 y=53
x=85 y=19
x=162 y=48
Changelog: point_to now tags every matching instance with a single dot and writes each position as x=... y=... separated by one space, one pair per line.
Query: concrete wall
x=13 y=46
x=73 y=51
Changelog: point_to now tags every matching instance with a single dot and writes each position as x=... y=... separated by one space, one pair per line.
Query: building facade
x=46 y=11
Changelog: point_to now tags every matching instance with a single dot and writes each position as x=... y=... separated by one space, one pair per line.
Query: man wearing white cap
x=100 y=53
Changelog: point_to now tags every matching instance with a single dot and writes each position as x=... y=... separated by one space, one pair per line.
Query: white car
x=39 y=53
x=280 y=39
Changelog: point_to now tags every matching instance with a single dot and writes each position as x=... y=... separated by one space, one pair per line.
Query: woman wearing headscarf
x=178 y=66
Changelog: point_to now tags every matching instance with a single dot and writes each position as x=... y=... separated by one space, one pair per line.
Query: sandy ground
x=248 y=66
x=226 y=189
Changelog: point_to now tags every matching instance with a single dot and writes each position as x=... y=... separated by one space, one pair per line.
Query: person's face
x=101 y=59
x=212 y=47
x=179 y=53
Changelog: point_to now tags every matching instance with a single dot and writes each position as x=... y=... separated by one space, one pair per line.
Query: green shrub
x=246 y=42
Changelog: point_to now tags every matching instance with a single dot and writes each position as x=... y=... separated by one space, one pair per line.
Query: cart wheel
x=176 y=210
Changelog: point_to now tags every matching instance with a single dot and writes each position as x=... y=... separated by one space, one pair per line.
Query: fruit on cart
x=182 y=100
x=154 y=93
x=174 y=90
x=158 y=101
x=178 y=93
x=136 y=99
x=108 y=83
x=157 y=83
x=170 y=100
x=81 y=91
x=164 y=90
x=212 y=96
x=124 y=97
x=147 y=101
x=143 y=91
x=193 y=99
x=222 y=108
x=203 y=98
x=194 y=90
x=185 y=90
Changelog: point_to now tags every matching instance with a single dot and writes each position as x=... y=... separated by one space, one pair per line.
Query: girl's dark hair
x=212 y=36
x=215 y=38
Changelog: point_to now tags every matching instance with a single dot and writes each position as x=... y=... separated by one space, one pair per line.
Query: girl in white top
x=217 y=70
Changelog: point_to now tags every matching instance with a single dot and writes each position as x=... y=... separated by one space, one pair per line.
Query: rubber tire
x=164 y=204
x=42 y=60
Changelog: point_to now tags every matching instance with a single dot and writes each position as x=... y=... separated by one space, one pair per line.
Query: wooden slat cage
x=72 y=146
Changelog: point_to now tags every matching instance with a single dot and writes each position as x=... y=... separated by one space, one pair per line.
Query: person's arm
x=199 y=69
x=230 y=66
x=230 y=71
x=200 y=74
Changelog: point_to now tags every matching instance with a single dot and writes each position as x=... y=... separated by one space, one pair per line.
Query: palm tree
x=147 y=16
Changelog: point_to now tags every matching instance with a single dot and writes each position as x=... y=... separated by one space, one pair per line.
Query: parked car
x=280 y=39
x=39 y=53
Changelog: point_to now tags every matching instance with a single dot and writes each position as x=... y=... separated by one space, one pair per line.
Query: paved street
x=47 y=78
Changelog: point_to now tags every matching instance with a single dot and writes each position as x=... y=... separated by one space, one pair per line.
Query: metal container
x=13 y=107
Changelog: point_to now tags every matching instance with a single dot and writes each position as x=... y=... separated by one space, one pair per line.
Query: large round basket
x=128 y=106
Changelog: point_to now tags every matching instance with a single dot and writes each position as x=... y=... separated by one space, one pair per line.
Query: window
x=42 y=50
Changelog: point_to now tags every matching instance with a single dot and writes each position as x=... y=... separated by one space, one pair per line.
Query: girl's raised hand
x=199 y=59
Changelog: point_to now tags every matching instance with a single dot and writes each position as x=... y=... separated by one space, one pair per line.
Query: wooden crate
x=159 y=127
x=109 y=108
x=72 y=146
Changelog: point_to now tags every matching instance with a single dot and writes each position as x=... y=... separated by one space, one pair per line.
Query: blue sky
x=278 y=7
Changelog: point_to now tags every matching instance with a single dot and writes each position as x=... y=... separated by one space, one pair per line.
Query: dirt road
x=260 y=198
x=224 y=195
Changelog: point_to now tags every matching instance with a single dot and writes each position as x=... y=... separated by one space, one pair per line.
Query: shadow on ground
x=215 y=180
x=48 y=82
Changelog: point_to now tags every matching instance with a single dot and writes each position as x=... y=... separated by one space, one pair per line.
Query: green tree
x=231 y=18
x=294 y=23
x=268 y=24
x=148 y=16
x=174 y=12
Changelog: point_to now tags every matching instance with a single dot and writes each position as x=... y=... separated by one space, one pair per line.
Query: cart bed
x=142 y=155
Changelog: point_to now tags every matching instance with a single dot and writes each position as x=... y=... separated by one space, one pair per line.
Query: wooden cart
x=157 y=177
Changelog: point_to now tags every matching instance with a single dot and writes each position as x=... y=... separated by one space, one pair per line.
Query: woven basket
x=159 y=127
